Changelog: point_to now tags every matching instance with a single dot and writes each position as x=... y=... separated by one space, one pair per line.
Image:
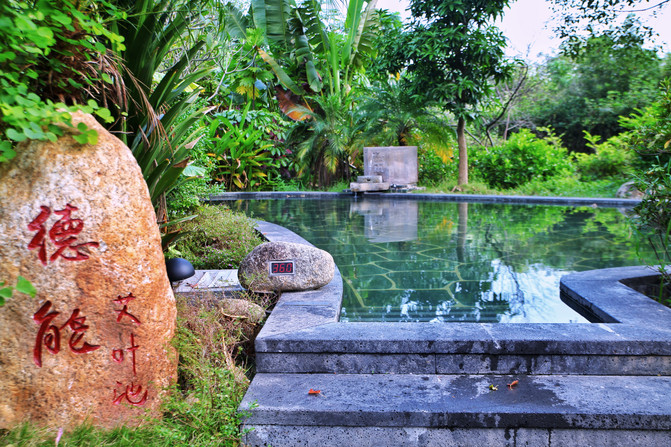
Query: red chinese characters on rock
x=62 y=234
x=130 y=393
x=124 y=312
x=49 y=334
x=118 y=354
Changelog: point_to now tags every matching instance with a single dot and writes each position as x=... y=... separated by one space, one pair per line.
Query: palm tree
x=327 y=143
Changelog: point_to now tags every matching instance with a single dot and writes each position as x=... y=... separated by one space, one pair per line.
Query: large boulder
x=266 y=268
x=94 y=344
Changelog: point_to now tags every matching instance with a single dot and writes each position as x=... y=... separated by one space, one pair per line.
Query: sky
x=528 y=26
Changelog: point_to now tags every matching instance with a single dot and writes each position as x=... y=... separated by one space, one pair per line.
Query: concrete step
x=414 y=410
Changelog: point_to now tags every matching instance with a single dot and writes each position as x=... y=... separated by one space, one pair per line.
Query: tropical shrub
x=53 y=60
x=432 y=168
x=522 y=158
x=158 y=125
x=611 y=158
x=650 y=135
x=326 y=145
x=242 y=158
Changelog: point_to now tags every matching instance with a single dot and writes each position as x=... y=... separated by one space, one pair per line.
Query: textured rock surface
x=629 y=190
x=314 y=268
x=243 y=309
x=77 y=222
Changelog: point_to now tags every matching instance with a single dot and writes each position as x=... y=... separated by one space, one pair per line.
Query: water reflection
x=387 y=221
x=451 y=262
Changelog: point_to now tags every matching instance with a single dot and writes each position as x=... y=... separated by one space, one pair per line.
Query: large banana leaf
x=236 y=22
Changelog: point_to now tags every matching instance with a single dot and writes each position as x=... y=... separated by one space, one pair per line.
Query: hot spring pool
x=436 y=261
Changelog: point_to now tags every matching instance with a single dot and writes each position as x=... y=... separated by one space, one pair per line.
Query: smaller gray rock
x=629 y=191
x=312 y=268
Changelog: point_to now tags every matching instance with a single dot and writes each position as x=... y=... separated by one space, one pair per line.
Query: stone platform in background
x=210 y=281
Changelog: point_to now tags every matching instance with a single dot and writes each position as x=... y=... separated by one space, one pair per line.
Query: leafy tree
x=611 y=76
x=582 y=19
x=451 y=54
x=305 y=54
x=326 y=143
x=650 y=136
x=317 y=65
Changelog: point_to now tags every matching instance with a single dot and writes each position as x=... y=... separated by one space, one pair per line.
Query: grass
x=218 y=238
x=556 y=187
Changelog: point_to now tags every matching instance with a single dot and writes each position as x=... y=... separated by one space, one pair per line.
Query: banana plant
x=298 y=31
x=342 y=54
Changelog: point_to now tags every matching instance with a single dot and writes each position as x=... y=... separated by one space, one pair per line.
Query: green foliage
x=450 y=52
x=582 y=19
x=218 y=238
x=569 y=186
x=53 y=61
x=241 y=157
x=186 y=198
x=588 y=90
x=450 y=56
x=391 y=113
x=522 y=158
x=450 y=186
x=432 y=169
x=327 y=144
x=160 y=143
x=22 y=285
x=203 y=410
x=612 y=158
x=252 y=78
x=650 y=135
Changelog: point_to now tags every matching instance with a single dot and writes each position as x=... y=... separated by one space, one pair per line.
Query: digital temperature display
x=281 y=268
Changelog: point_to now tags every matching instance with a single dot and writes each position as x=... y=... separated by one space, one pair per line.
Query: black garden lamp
x=179 y=269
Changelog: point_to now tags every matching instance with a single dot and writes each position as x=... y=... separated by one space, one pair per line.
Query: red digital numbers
x=282 y=268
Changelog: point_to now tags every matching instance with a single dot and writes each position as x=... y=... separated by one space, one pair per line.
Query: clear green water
x=426 y=261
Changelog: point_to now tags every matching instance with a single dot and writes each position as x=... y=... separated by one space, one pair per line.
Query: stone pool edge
x=478 y=198
x=303 y=334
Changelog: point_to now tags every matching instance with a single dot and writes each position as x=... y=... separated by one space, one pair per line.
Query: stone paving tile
x=204 y=280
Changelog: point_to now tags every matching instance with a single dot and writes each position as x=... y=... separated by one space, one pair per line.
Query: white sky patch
x=528 y=25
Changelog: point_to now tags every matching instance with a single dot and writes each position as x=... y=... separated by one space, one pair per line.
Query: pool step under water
x=465 y=410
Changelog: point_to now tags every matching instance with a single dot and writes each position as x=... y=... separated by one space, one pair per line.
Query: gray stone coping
x=400 y=400
x=303 y=334
x=479 y=198
x=344 y=436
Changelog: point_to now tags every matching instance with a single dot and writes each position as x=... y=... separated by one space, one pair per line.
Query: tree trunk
x=463 y=152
